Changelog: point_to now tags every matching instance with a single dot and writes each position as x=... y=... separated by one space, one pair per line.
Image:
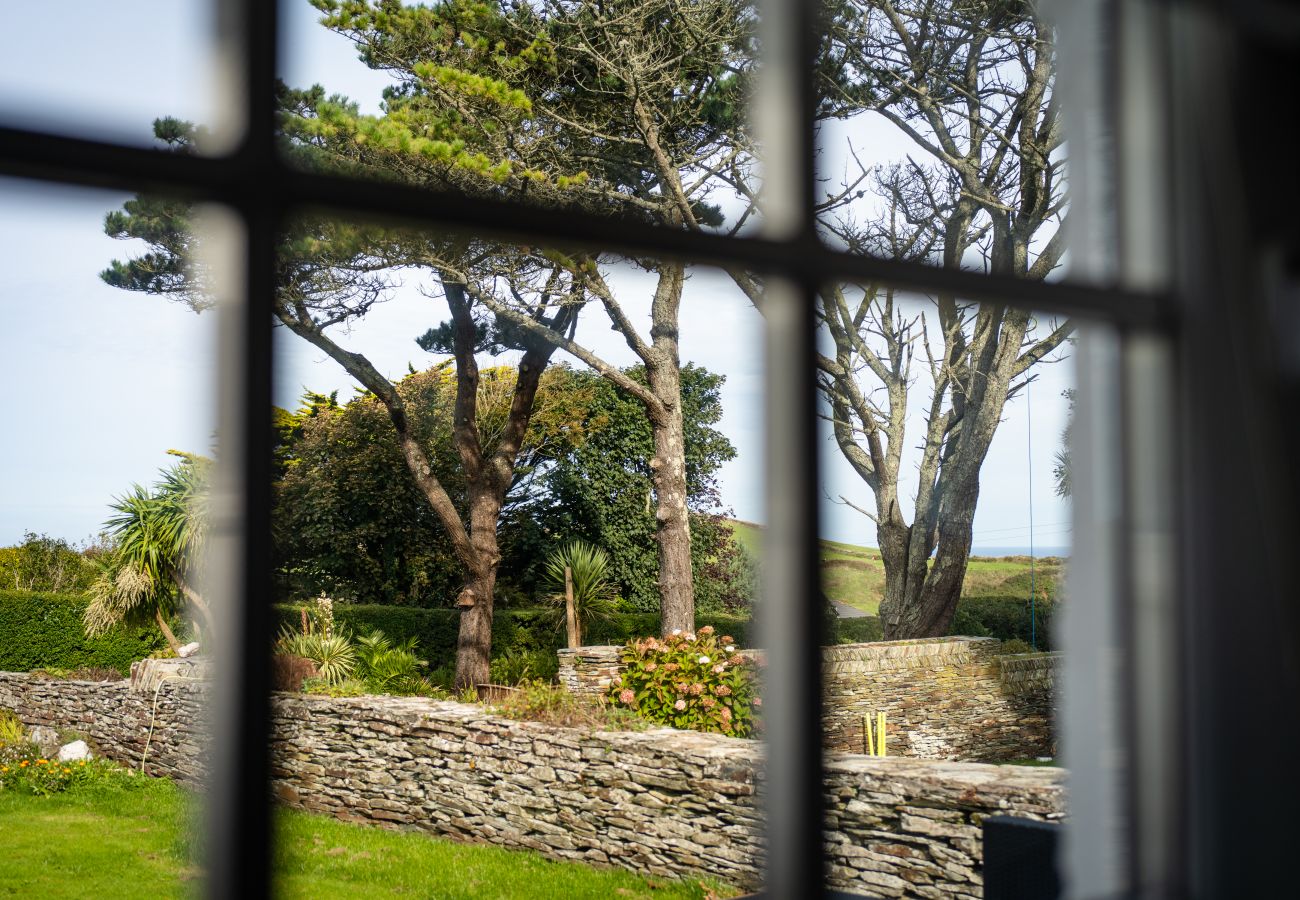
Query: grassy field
x=135 y=844
x=856 y=576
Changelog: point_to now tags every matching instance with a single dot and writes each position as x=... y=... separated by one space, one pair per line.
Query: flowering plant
x=31 y=773
x=690 y=680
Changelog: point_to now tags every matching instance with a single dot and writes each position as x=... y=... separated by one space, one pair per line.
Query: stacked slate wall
x=955 y=698
x=662 y=802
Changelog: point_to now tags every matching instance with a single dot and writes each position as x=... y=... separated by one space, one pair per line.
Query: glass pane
x=441 y=463
x=946 y=534
x=941 y=137
x=106 y=617
x=121 y=66
x=629 y=109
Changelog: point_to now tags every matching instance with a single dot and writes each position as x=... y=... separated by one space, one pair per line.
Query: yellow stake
x=866 y=727
x=880 y=732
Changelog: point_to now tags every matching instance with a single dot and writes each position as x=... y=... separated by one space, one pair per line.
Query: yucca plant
x=594 y=596
x=334 y=655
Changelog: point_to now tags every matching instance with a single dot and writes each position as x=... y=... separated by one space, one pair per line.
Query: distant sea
x=1023 y=550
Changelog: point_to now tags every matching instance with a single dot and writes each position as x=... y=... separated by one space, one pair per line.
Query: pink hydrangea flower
x=722 y=690
x=725 y=712
x=690 y=635
x=679 y=705
x=696 y=689
x=719 y=669
x=707 y=629
x=758 y=701
x=651 y=666
x=704 y=660
x=626 y=696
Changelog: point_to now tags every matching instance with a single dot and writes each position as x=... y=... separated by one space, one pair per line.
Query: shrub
x=45 y=631
x=288 y=672
x=12 y=730
x=389 y=668
x=348 y=687
x=861 y=630
x=553 y=705
x=518 y=630
x=518 y=666
x=693 y=681
x=1006 y=618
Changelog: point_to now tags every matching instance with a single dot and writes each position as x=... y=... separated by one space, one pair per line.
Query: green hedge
x=1006 y=618
x=43 y=631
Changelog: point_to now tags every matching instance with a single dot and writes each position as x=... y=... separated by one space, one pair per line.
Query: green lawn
x=856 y=576
x=105 y=842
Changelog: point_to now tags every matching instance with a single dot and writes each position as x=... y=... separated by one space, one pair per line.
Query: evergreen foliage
x=44 y=631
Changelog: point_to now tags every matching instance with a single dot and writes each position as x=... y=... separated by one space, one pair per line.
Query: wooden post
x=570 y=614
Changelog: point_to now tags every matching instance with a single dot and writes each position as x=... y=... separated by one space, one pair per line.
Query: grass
x=114 y=842
x=855 y=575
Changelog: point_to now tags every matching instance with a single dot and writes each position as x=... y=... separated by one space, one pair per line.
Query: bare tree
x=970 y=82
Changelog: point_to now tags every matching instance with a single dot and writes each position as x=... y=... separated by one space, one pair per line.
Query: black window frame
x=255 y=182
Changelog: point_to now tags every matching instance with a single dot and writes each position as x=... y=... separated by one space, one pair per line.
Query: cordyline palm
x=158 y=533
x=594 y=597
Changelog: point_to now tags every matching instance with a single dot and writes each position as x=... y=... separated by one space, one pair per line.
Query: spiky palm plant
x=157 y=533
x=594 y=595
x=333 y=654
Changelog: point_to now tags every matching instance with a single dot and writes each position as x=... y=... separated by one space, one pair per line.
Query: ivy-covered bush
x=44 y=631
x=693 y=681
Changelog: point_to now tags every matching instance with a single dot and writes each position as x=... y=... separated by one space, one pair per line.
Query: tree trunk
x=672 y=515
x=166 y=632
x=921 y=594
x=474 y=644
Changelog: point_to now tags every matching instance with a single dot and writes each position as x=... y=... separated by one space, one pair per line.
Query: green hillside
x=856 y=576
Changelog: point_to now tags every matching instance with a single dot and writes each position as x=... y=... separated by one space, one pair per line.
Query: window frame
x=262 y=189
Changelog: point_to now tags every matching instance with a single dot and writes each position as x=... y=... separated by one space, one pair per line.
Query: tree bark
x=166 y=631
x=672 y=515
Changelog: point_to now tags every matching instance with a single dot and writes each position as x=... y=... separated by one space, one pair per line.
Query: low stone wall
x=946 y=698
x=116 y=722
x=663 y=802
x=943 y=698
x=589 y=671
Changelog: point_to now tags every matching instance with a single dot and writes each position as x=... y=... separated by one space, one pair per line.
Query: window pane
x=942 y=139
x=946 y=536
x=108 y=619
x=628 y=109
x=119 y=67
x=441 y=463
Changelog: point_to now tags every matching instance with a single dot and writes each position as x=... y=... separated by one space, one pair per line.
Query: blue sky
x=100 y=383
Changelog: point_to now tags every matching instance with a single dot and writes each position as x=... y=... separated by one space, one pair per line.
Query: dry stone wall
x=663 y=802
x=953 y=698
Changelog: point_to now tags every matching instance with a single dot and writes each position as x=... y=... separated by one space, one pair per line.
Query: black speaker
x=1020 y=859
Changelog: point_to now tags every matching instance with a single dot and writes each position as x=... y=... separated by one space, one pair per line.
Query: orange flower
x=23 y=764
x=83 y=762
x=41 y=762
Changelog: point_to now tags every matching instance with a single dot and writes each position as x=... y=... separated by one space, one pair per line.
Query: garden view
x=517 y=515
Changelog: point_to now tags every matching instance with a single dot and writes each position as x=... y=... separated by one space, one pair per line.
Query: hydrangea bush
x=690 y=680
